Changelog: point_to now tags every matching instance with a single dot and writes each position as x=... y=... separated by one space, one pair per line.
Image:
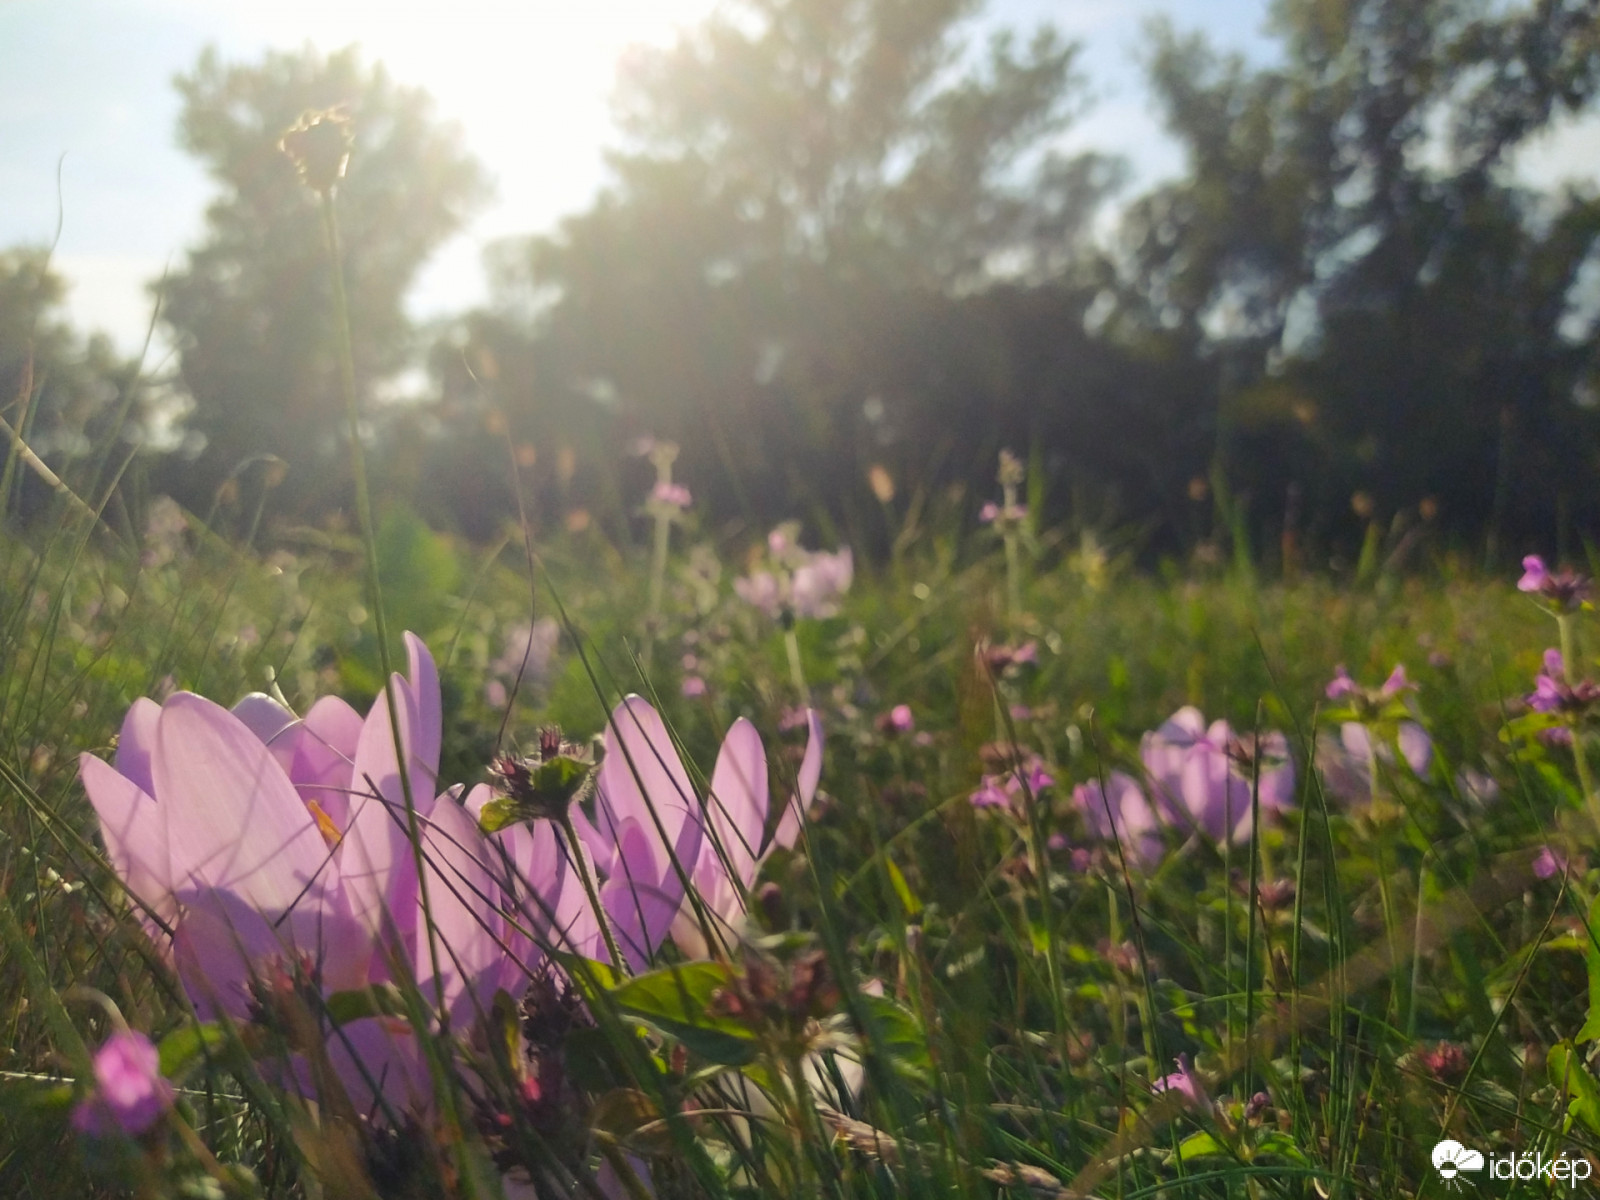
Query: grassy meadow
x=992 y=1000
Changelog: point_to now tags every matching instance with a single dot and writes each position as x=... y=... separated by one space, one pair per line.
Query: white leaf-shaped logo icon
x=1472 y=1160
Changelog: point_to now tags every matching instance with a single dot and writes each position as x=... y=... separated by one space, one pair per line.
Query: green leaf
x=1200 y=1145
x=375 y=1000
x=1567 y=1071
x=893 y=1031
x=500 y=813
x=676 y=1000
x=902 y=889
x=1280 y=1145
x=1591 y=956
x=181 y=1049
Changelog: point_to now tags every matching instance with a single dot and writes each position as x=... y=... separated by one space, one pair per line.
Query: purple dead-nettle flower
x=990 y=794
x=1119 y=813
x=995 y=514
x=1342 y=687
x=1553 y=694
x=1185 y=1082
x=762 y=590
x=897 y=720
x=543 y=785
x=1549 y=863
x=794 y=582
x=672 y=495
x=129 y=1092
x=1562 y=591
x=1003 y=660
x=527 y=653
x=821 y=581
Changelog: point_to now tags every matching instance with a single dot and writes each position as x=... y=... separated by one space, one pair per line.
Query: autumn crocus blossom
x=1118 y=812
x=1202 y=776
x=270 y=853
x=739 y=832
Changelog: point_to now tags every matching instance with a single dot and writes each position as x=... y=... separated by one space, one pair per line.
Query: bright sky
x=87 y=83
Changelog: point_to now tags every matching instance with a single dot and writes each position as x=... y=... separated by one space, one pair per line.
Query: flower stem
x=658 y=574
x=358 y=472
x=1580 y=759
x=791 y=643
x=575 y=853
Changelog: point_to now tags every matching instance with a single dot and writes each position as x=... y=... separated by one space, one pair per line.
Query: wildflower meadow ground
x=964 y=872
x=377 y=864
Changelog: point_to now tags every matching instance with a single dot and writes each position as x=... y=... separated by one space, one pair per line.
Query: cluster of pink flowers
x=1200 y=777
x=1007 y=788
x=271 y=857
x=795 y=582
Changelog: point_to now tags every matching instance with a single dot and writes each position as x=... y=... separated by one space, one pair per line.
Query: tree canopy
x=250 y=309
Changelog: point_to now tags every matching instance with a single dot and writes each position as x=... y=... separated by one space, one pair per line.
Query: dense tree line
x=840 y=235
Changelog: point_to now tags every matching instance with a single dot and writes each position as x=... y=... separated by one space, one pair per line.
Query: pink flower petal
x=135 y=832
x=464 y=901
x=136 y=743
x=736 y=809
x=233 y=820
x=376 y=859
x=430 y=708
x=642 y=779
x=806 y=780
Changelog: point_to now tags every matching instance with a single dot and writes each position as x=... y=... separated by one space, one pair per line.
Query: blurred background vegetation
x=842 y=256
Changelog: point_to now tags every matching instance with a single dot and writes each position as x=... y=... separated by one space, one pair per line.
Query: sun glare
x=528 y=82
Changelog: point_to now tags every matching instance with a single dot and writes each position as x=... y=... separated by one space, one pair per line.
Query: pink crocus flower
x=1346 y=761
x=1201 y=776
x=1119 y=812
x=270 y=851
x=129 y=1092
x=738 y=840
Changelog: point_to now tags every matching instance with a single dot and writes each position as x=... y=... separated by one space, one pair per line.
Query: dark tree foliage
x=1391 y=311
x=59 y=390
x=810 y=191
x=250 y=310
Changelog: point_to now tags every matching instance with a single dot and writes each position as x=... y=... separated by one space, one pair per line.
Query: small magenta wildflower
x=1562 y=591
x=897 y=720
x=129 y=1092
x=1549 y=863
